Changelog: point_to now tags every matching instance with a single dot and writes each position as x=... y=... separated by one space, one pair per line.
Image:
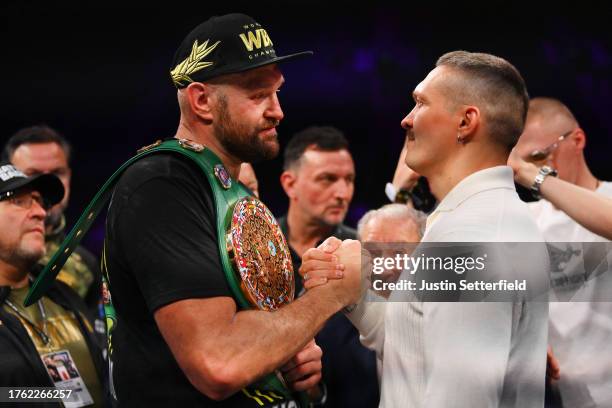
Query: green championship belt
x=254 y=253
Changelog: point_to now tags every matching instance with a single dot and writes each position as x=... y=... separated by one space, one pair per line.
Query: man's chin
x=334 y=220
x=272 y=149
x=415 y=164
x=30 y=253
x=267 y=151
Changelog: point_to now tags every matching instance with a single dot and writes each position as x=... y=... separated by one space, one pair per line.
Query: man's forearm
x=257 y=342
x=588 y=208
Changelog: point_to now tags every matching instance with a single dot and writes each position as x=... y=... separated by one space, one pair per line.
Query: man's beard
x=20 y=257
x=240 y=141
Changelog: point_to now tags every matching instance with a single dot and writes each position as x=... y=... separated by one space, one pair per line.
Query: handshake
x=334 y=269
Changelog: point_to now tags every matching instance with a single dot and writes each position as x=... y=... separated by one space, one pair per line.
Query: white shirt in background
x=580 y=333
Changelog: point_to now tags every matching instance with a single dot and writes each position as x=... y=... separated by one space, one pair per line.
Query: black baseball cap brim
x=275 y=60
x=48 y=185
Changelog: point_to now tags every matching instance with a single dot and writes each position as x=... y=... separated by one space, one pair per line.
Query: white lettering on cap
x=8 y=172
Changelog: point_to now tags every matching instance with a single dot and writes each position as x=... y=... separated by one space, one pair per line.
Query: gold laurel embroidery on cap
x=192 y=63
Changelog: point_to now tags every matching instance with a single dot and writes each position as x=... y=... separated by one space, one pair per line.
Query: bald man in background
x=579 y=332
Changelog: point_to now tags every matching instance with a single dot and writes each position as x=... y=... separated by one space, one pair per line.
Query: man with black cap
x=57 y=327
x=179 y=336
x=39 y=150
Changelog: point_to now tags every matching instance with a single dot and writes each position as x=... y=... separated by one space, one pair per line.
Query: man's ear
x=469 y=123
x=578 y=139
x=287 y=180
x=200 y=98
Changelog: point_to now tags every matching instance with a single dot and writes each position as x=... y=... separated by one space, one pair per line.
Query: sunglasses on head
x=539 y=156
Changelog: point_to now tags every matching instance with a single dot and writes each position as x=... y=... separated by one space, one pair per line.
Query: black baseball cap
x=12 y=180
x=224 y=45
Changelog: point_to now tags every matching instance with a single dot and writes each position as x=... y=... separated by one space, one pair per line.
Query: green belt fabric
x=225 y=197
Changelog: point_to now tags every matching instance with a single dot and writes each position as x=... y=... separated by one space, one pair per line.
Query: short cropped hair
x=548 y=109
x=35 y=134
x=396 y=213
x=325 y=138
x=496 y=87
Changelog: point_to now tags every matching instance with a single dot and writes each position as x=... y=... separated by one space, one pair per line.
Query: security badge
x=65 y=376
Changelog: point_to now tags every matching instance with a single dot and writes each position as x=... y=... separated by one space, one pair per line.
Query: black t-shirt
x=161 y=248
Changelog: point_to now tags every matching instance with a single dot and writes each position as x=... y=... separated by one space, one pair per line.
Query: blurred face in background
x=558 y=143
x=43 y=158
x=248 y=178
x=321 y=185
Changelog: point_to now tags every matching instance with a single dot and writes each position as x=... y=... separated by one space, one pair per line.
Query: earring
x=460 y=139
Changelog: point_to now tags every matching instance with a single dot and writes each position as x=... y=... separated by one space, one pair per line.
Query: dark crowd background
x=98 y=73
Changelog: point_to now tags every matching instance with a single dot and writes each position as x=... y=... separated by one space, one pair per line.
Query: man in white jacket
x=469 y=112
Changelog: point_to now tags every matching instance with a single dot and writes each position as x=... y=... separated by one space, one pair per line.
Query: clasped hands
x=334 y=269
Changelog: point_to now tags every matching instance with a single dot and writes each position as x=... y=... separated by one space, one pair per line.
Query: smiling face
x=321 y=187
x=431 y=126
x=22 y=241
x=246 y=113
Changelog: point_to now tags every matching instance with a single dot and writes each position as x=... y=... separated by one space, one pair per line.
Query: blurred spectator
x=391 y=223
x=42 y=150
x=318 y=178
x=57 y=327
x=579 y=332
x=248 y=178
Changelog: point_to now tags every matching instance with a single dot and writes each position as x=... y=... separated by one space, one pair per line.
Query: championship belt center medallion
x=260 y=255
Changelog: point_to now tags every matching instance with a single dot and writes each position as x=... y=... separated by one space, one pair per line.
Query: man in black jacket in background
x=56 y=330
x=318 y=178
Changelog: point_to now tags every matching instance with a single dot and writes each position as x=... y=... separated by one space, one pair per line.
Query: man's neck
x=586 y=179
x=444 y=178
x=304 y=232
x=12 y=276
x=206 y=138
